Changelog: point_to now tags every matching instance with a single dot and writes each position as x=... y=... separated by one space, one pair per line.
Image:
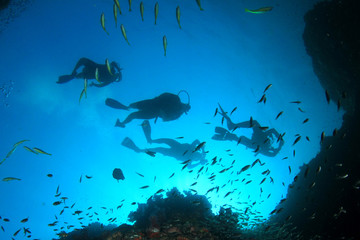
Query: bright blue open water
x=221 y=55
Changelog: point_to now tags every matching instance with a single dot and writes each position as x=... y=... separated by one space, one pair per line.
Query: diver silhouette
x=167 y=106
x=261 y=141
x=105 y=75
x=180 y=151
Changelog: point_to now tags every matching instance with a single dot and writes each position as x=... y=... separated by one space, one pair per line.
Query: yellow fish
x=199 y=4
x=108 y=65
x=97 y=75
x=178 y=15
x=20 y=142
x=81 y=94
x=102 y=21
x=118 y=5
x=115 y=14
x=124 y=33
x=164 y=44
x=30 y=150
x=85 y=87
x=129 y=5
x=40 y=151
x=7 y=179
x=156 y=11
x=142 y=10
x=260 y=10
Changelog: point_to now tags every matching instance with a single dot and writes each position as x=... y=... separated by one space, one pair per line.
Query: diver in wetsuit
x=88 y=72
x=180 y=151
x=261 y=141
x=167 y=106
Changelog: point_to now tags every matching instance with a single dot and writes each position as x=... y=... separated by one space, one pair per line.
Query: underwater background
x=221 y=55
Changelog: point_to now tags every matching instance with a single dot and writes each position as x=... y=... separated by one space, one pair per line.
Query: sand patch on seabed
x=13 y=10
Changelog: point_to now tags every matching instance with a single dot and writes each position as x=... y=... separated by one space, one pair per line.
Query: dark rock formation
x=4 y=3
x=324 y=203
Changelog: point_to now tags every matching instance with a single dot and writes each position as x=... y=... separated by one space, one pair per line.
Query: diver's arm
x=273 y=131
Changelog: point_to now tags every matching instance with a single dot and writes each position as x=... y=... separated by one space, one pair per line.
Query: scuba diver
x=180 y=151
x=167 y=106
x=261 y=140
x=106 y=73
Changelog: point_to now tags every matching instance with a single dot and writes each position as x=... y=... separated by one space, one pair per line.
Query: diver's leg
x=135 y=115
x=170 y=142
x=83 y=62
x=147 y=130
x=247 y=142
x=115 y=104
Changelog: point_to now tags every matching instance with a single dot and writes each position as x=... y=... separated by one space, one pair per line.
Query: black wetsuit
x=88 y=72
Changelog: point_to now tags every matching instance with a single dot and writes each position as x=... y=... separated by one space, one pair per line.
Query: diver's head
x=116 y=70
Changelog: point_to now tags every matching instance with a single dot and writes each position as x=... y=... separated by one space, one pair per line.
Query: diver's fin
x=119 y=124
x=127 y=142
x=65 y=78
x=115 y=104
x=147 y=130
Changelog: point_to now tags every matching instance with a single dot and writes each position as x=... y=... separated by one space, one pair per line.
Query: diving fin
x=65 y=78
x=127 y=142
x=119 y=124
x=115 y=104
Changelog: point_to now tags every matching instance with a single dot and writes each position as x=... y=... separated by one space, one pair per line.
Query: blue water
x=221 y=55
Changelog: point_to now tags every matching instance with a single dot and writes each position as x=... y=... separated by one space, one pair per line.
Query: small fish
x=185 y=152
x=263 y=128
x=118 y=5
x=57 y=189
x=7 y=179
x=142 y=11
x=16 y=232
x=327 y=96
x=172 y=175
x=318 y=170
x=156 y=11
x=24 y=220
x=85 y=87
x=57 y=203
x=257 y=149
x=80 y=178
x=143 y=187
x=260 y=10
x=20 y=142
x=115 y=14
x=179 y=137
x=129 y=5
x=139 y=174
x=262 y=98
x=296 y=102
x=198 y=147
x=30 y=150
x=267 y=88
x=164 y=44
x=289 y=170
x=107 y=63
x=322 y=137
x=297 y=140
x=88 y=177
x=239 y=140
x=245 y=168
x=312 y=185
x=124 y=33
x=279 y=114
x=199 y=4
x=81 y=95
x=49 y=175
x=159 y=191
x=251 y=122
x=41 y=151
x=306 y=120
x=216 y=111
x=178 y=15
x=343 y=176
x=301 y=110
x=233 y=110
x=102 y=21
x=262 y=181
